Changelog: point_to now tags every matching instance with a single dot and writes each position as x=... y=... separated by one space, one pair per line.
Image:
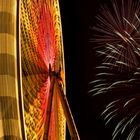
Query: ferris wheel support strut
x=67 y=111
x=50 y=100
x=56 y=81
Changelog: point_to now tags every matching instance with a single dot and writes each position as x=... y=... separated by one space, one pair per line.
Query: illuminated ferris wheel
x=33 y=103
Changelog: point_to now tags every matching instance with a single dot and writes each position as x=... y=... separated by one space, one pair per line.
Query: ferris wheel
x=33 y=103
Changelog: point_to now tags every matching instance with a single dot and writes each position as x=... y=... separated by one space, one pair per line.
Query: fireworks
x=118 y=27
x=118 y=76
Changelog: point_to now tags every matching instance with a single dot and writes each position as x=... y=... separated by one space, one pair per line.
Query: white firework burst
x=117 y=39
x=118 y=33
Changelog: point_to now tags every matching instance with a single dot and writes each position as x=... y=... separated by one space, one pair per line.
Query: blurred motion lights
x=32 y=76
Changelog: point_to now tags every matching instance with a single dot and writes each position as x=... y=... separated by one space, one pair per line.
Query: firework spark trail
x=117 y=43
x=120 y=26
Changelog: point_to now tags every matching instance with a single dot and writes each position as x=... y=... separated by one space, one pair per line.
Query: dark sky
x=77 y=18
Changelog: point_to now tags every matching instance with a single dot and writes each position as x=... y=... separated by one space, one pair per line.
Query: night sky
x=77 y=17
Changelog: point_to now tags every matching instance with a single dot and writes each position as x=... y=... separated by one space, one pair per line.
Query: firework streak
x=31 y=43
x=117 y=45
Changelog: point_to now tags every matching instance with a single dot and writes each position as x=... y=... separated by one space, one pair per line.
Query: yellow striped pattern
x=10 y=122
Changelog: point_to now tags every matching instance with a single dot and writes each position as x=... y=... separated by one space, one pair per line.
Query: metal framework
x=33 y=103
